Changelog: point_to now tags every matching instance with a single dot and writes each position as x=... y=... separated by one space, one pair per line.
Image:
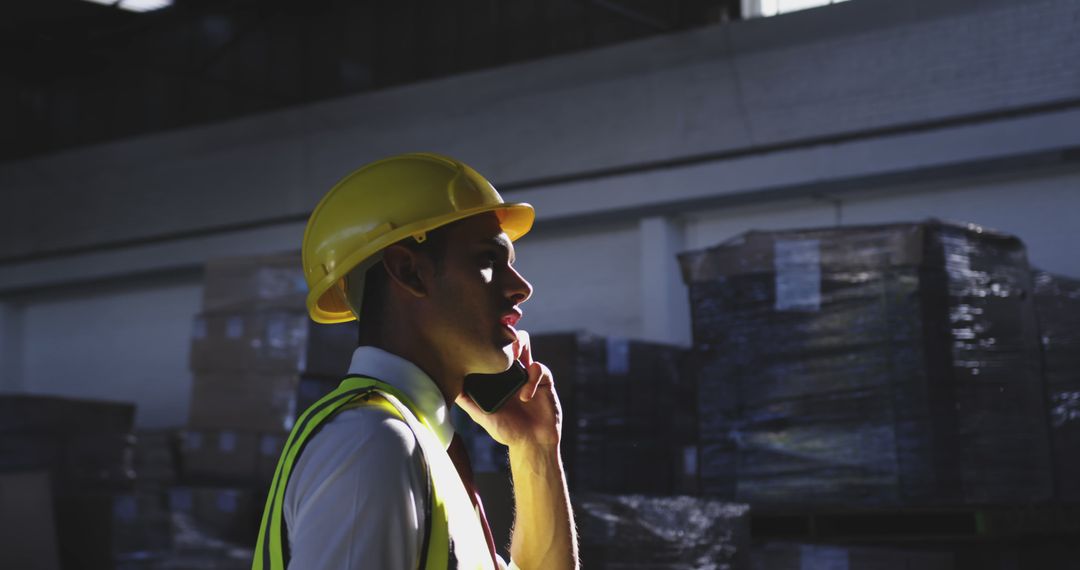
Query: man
x=419 y=248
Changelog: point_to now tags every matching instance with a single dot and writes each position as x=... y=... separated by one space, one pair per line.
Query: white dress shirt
x=356 y=496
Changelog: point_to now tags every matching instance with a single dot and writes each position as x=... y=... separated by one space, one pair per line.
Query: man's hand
x=531 y=426
x=534 y=417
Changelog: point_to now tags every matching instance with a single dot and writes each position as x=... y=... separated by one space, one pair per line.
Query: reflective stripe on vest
x=446 y=494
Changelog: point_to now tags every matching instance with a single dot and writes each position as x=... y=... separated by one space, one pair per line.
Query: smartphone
x=491 y=391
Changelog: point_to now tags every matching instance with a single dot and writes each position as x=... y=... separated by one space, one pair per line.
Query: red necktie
x=460 y=456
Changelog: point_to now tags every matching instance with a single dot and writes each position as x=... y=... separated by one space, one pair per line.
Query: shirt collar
x=413 y=382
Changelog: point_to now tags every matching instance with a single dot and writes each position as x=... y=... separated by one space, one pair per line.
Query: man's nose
x=518 y=289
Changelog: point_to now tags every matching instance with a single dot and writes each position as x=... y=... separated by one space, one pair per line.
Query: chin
x=501 y=364
x=494 y=363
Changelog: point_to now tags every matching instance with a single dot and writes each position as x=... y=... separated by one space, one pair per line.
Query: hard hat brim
x=326 y=300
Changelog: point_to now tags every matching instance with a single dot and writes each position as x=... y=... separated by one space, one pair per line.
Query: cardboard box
x=254 y=282
x=270 y=341
x=27 y=527
x=231 y=457
x=270 y=446
x=246 y=342
x=228 y=513
x=261 y=402
x=225 y=456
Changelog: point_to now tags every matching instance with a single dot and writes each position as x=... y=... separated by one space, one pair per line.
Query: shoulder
x=357 y=494
x=373 y=426
x=361 y=448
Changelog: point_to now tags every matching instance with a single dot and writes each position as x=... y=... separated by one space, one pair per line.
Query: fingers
x=529 y=389
x=539 y=375
x=524 y=349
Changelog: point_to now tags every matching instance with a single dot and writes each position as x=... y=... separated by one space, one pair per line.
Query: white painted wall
x=1043 y=211
x=584 y=277
x=710 y=227
x=115 y=343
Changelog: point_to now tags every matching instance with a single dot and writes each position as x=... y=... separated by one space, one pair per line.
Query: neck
x=412 y=345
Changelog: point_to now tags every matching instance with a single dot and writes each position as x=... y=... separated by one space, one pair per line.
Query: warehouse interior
x=751 y=214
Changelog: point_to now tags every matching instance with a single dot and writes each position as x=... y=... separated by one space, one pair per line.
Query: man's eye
x=489 y=260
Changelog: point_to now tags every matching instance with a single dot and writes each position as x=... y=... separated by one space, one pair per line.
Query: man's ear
x=406 y=269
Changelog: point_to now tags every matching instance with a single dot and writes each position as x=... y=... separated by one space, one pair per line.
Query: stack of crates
x=893 y=365
x=251 y=346
x=74 y=459
x=630 y=454
x=881 y=383
x=628 y=413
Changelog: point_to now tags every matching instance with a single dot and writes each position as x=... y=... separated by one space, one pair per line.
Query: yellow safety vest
x=444 y=546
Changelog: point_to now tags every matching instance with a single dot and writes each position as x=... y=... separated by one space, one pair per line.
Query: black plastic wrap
x=633 y=532
x=878 y=365
x=1057 y=300
x=628 y=413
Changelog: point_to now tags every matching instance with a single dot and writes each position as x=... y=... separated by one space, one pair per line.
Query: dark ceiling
x=73 y=72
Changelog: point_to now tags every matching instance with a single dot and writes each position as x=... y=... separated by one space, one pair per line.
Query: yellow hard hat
x=384 y=202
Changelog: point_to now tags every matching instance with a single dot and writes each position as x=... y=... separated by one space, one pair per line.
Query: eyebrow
x=505 y=244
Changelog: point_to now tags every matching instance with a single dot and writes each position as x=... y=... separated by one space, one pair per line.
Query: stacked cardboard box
x=225 y=513
x=248 y=366
x=637 y=532
x=1057 y=300
x=251 y=348
x=879 y=365
x=87 y=449
x=230 y=456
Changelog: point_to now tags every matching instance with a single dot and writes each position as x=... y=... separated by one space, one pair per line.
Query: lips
x=511 y=318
